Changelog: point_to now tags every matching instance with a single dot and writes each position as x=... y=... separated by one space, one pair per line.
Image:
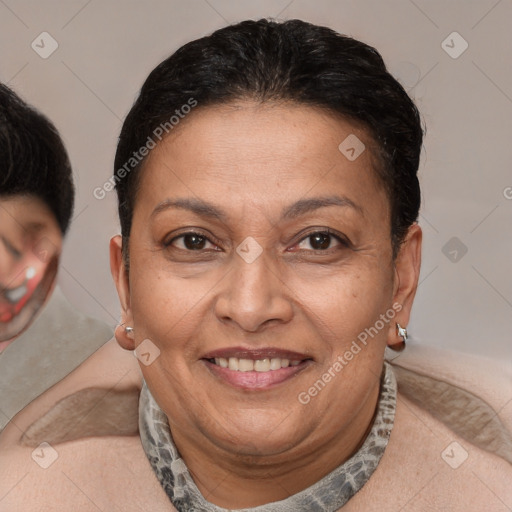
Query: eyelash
x=15 y=252
x=328 y=232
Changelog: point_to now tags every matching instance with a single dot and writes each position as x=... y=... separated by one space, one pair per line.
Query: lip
x=6 y=314
x=9 y=308
x=258 y=353
x=12 y=301
x=257 y=381
x=253 y=380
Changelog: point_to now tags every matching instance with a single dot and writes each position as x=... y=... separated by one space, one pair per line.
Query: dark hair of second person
x=33 y=159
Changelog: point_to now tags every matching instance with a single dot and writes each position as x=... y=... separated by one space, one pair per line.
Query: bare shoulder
x=76 y=447
x=108 y=371
x=108 y=473
x=427 y=466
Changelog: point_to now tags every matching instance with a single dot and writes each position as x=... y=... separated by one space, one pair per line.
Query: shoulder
x=108 y=371
x=76 y=447
x=430 y=466
x=471 y=395
x=109 y=473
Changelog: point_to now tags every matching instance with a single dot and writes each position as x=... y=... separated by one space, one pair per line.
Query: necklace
x=327 y=495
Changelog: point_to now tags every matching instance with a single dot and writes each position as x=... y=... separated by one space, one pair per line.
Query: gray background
x=107 y=48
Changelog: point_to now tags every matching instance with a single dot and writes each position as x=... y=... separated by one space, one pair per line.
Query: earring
x=402 y=332
x=128 y=330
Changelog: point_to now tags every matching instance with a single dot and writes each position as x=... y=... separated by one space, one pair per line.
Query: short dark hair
x=292 y=60
x=33 y=159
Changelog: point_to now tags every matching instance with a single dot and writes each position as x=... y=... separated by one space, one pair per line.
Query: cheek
x=343 y=304
x=165 y=306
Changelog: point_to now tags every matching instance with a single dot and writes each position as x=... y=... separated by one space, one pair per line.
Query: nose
x=254 y=295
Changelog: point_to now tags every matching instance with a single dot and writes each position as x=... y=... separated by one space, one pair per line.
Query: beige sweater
x=471 y=395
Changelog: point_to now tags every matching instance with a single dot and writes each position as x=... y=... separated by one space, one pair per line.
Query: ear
x=407 y=273
x=121 y=280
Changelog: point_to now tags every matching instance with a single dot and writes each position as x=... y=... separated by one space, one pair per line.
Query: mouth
x=14 y=295
x=10 y=298
x=256 y=369
x=15 y=298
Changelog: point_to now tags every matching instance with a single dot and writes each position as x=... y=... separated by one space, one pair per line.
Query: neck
x=220 y=474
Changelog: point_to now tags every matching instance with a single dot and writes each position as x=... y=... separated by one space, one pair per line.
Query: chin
x=254 y=433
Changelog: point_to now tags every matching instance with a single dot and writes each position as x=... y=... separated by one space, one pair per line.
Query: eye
x=10 y=247
x=322 y=241
x=190 y=241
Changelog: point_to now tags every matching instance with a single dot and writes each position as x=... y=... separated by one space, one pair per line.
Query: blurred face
x=259 y=253
x=30 y=243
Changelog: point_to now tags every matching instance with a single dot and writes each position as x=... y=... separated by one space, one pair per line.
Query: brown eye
x=189 y=241
x=321 y=241
x=194 y=242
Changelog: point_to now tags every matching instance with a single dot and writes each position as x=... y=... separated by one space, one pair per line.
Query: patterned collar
x=327 y=495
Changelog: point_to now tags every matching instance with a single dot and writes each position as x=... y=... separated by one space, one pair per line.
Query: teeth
x=275 y=363
x=262 y=365
x=258 y=365
x=16 y=294
x=246 y=365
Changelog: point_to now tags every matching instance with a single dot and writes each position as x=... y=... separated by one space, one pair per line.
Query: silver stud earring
x=128 y=330
x=402 y=332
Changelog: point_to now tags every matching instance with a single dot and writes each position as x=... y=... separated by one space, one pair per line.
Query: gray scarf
x=327 y=495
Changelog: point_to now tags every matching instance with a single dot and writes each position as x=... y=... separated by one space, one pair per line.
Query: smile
x=255 y=369
x=14 y=295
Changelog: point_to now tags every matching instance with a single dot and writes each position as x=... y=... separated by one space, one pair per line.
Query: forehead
x=25 y=212
x=264 y=155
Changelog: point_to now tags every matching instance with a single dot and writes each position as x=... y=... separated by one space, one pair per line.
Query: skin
x=27 y=226
x=254 y=161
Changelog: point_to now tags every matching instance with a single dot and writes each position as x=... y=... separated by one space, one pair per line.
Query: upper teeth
x=258 y=365
x=15 y=294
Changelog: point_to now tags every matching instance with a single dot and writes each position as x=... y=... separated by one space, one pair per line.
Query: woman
x=268 y=201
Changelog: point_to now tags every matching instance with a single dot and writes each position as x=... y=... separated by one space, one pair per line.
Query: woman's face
x=30 y=244
x=258 y=244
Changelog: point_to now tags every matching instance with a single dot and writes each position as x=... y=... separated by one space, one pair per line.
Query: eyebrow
x=314 y=203
x=301 y=207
